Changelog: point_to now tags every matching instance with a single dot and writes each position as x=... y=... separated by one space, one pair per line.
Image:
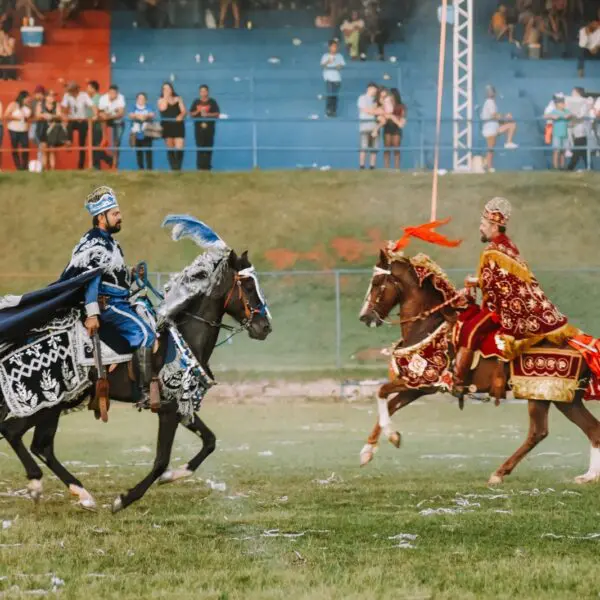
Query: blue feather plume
x=185 y=226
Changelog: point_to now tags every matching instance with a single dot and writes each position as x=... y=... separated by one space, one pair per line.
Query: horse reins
x=422 y=315
x=249 y=312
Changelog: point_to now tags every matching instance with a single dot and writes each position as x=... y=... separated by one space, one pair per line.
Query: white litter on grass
x=444 y=456
x=6 y=524
x=282 y=499
x=464 y=502
x=536 y=492
x=24 y=493
x=276 y=533
x=217 y=486
x=571 y=493
x=100 y=552
x=504 y=512
x=100 y=530
x=404 y=536
x=483 y=496
x=333 y=478
x=428 y=512
x=156 y=526
x=10 y=545
x=554 y=536
x=265 y=453
x=56 y=582
x=140 y=450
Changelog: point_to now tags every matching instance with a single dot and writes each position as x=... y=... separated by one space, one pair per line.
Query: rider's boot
x=462 y=367
x=146 y=379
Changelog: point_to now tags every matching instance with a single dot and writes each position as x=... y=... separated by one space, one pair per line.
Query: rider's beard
x=114 y=228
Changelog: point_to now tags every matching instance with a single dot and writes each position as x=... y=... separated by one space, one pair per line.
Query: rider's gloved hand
x=92 y=324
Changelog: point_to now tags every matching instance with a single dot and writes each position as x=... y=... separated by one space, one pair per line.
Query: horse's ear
x=233 y=260
x=382 y=258
x=244 y=260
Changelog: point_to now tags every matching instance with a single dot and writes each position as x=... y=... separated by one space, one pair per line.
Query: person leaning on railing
x=74 y=107
x=141 y=116
x=99 y=155
x=17 y=117
x=51 y=132
x=112 y=109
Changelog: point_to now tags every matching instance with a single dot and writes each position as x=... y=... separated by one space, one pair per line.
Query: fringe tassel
x=513 y=348
x=507 y=263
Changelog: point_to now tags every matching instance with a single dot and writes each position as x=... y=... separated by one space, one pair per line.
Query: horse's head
x=389 y=285
x=244 y=301
x=217 y=282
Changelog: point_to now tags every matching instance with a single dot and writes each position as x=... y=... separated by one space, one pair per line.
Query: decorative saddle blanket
x=426 y=364
x=547 y=374
x=541 y=373
x=54 y=366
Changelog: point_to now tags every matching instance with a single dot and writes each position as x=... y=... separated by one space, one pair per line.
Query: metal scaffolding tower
x=463 y=84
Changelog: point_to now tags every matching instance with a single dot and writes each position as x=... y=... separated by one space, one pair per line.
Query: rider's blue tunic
x=98 y=249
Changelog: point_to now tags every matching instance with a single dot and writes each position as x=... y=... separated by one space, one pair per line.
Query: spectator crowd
x=93 y=124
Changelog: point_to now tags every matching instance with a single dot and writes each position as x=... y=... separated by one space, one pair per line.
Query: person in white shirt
x=332 y=63
x=75 y=107
x=492 y=126
x=368 y=111
x=579 y=107
x=589 y=44
x=17 y=117
x=112 y=110
x=352 y=29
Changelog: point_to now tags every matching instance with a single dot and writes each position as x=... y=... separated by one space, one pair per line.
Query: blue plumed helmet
x=100 y=200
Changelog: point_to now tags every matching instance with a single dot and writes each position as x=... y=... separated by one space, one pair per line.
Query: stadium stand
x=268 y=84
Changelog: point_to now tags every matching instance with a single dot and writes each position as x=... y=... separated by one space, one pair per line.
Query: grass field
x=299 y=519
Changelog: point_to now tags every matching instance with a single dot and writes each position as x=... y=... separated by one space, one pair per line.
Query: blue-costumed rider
x=107 y=295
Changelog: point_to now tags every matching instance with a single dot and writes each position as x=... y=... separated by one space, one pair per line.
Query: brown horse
x=422 y=312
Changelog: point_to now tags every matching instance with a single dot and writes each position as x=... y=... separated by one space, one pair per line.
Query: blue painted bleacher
x=272 y=74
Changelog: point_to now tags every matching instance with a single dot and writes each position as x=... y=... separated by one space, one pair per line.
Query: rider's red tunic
x=515 y=313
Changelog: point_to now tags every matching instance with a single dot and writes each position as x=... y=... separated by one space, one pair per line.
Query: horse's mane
x=202 y=276
x=427 y=269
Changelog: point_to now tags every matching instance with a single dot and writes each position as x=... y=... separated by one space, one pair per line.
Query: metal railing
x=259 y=146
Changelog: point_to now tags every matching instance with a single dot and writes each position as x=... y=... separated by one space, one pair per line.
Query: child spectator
x=560 y=131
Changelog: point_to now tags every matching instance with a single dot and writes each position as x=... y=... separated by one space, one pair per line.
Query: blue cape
x=33 y=309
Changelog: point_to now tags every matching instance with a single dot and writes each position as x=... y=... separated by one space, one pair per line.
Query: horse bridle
x=381 y=290
x=249 y=312
x=420 y=317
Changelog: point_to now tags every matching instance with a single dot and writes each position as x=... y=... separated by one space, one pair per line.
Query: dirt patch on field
x=268 y=391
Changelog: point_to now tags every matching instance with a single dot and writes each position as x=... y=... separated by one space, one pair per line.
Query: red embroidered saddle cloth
x=547 y=373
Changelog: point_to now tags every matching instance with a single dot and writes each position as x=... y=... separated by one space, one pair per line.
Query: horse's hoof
x=589 y=477
x=367 y=454
x=86 y=501
x=117 y=505
x=395 y=439
x=174 y=474
x=495 y=479
x=35 y=489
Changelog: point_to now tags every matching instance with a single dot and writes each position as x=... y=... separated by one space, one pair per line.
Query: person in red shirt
x=204 y=111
